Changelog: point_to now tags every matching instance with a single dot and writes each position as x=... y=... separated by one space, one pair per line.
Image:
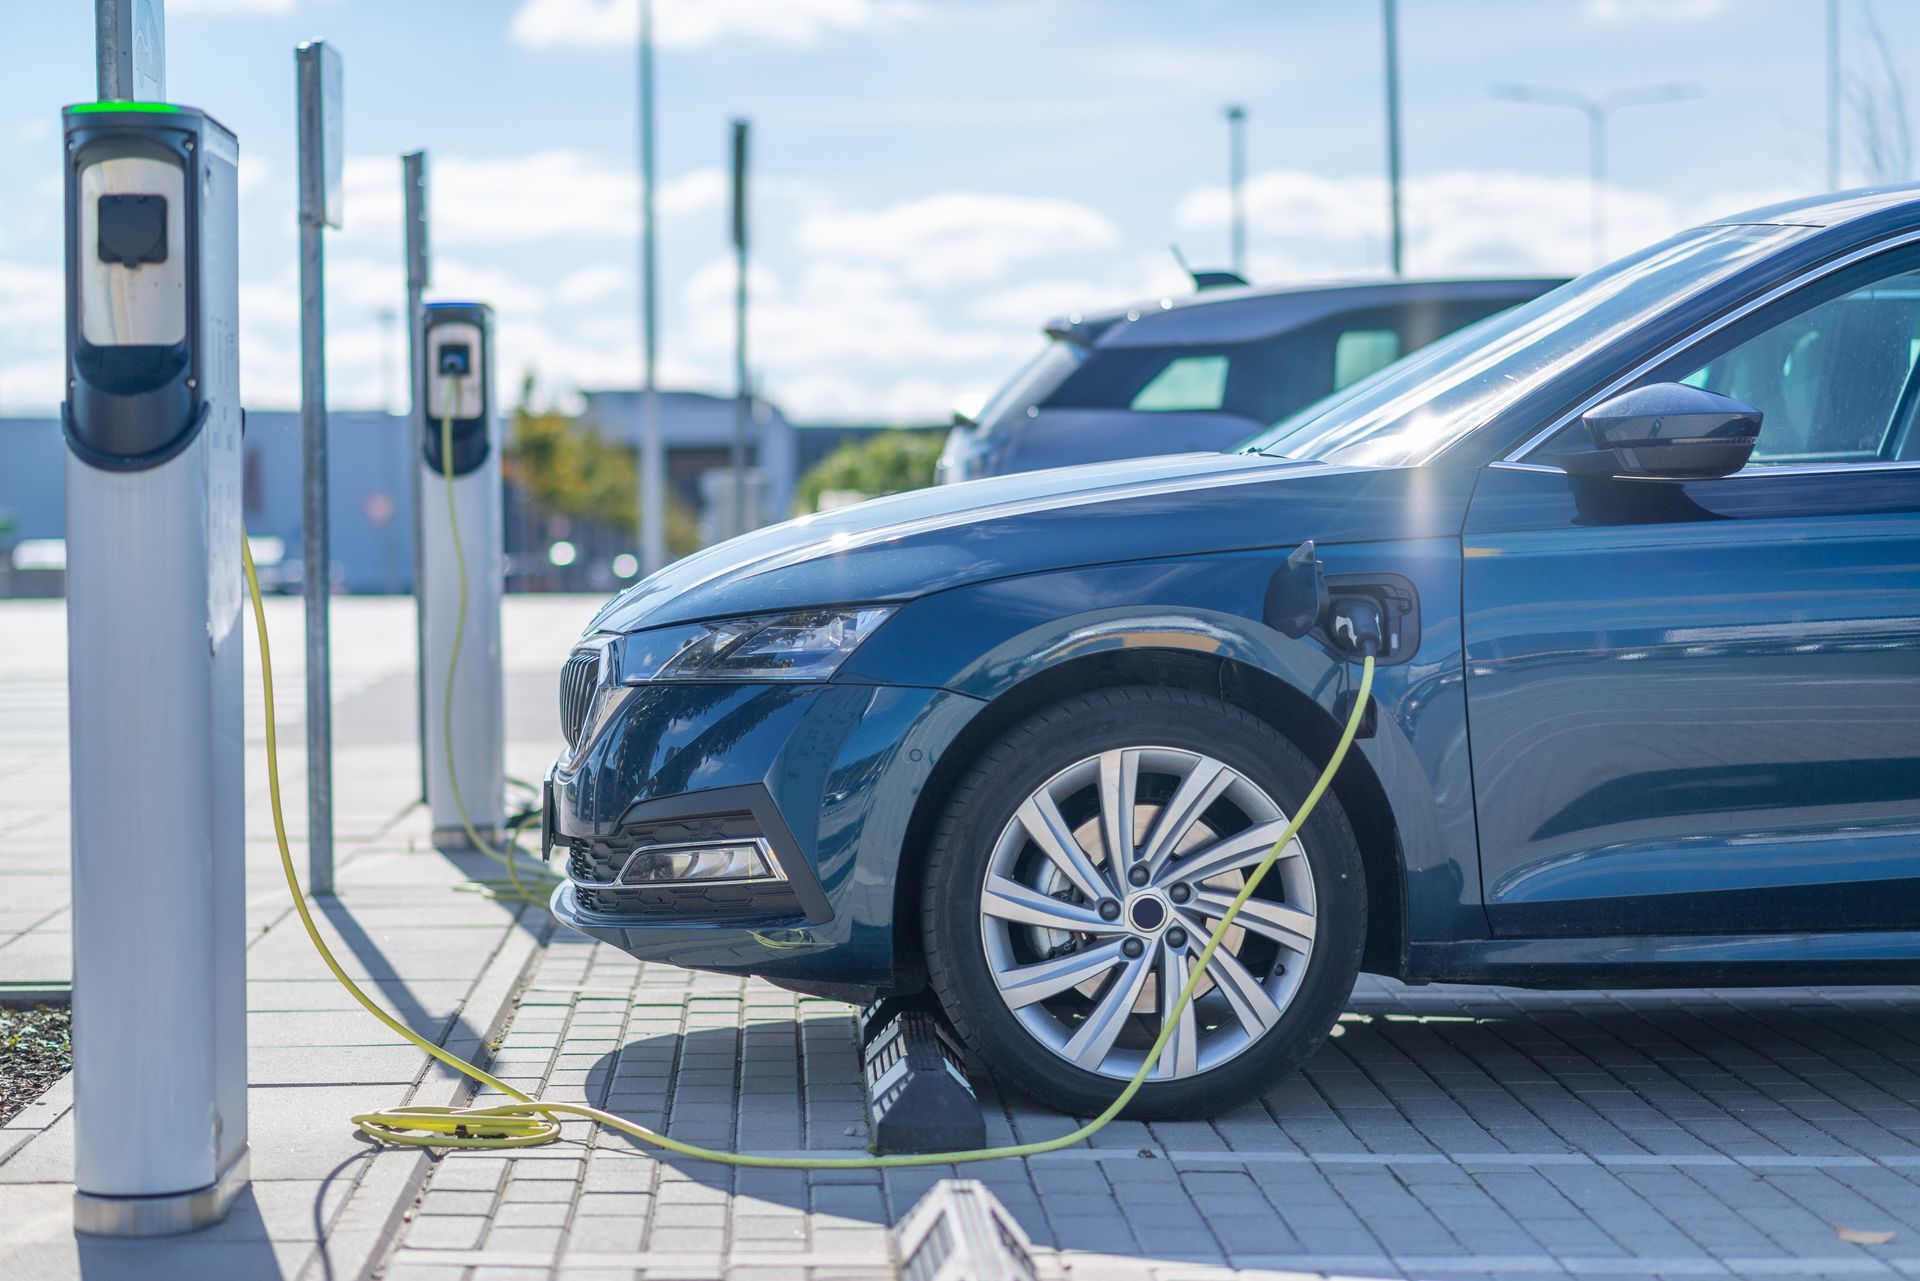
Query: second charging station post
x=465 y=767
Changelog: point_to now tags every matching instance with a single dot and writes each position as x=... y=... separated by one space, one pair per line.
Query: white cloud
x=838 y=339
x=540 y=195
x=598 y=283
x=229 y=8
x=33 y=332
x=31 y=385
x=1304 y=225
x=960 y=236
x=1188 y=68
x=1656 y=10
x=594 y=24
x=32 y=296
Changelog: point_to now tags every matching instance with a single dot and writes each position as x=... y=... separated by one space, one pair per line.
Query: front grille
x=578 y=681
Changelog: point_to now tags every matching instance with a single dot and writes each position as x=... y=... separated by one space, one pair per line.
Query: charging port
x=456 y=360
x=1392 y=596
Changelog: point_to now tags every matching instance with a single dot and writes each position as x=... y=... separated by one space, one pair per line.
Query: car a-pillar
x=460 y=498
x=152 y=422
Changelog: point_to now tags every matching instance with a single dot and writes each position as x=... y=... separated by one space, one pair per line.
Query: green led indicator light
x=91 y=108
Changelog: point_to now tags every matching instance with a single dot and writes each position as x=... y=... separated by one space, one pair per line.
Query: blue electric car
x=1647 y=552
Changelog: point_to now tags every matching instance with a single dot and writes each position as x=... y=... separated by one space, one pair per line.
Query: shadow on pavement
x=236 y=1247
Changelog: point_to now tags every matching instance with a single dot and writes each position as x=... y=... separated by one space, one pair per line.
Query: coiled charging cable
x=528 y=1122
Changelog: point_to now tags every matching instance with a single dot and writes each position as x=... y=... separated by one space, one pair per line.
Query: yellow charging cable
x=512 y=889
x=527 y=1122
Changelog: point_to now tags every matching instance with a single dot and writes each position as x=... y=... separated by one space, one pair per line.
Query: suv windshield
x=1410 y=412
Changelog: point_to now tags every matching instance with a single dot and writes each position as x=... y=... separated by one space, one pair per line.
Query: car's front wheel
x=1077 y=873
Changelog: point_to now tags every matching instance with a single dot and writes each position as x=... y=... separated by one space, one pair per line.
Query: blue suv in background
x=1648 y=712
x=1207 y=371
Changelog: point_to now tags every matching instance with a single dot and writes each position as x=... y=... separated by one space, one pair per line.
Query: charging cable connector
x=1358 y=628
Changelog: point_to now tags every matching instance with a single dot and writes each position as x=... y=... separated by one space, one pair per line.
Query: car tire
x=1041 y=1047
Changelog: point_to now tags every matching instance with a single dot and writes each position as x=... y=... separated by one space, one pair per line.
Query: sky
x=932 y=179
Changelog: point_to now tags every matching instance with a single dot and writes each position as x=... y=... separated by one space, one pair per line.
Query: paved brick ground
x=1447 y=1132
x=1451 y=1133
x=321 y=1198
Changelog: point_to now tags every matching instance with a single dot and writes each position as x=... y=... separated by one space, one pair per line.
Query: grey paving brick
x=446 y=1232
x=1518 y=1133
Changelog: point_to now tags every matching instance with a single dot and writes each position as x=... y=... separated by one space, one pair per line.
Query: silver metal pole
x=1596 y=111
x=413 y=184
x=130 y=45
x=653 y=504
x=1597 y=179
x=1237 y=184
x=1833 y=95
x=1390 y=23
x=743 y=393
x=316 y=552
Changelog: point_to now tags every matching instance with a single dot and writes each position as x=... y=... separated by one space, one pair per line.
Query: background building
x=371 y=498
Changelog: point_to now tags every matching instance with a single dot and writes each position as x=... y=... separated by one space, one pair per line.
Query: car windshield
x=1409 y=412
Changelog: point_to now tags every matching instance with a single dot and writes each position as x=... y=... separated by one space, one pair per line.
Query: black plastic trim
x=753 y=799
x=173 y=139
x=1399 y=606
x=107 y=460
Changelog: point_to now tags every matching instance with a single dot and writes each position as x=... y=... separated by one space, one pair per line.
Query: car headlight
x=806 y=645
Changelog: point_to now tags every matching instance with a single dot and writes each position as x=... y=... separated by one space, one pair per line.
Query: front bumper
x=827 y=775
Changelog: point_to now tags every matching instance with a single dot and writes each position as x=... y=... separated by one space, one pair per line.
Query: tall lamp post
x=1596 y=109
x=653 y=489
x=1833 y=95
x=1390 y=54
x=1237 y=183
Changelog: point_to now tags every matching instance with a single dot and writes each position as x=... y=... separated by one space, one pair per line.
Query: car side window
x=1359 y=352
x=1831 y=381
x=1189 y=383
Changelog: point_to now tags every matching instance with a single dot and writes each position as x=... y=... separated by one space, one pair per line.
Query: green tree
x=891 y=462
x=569 y=469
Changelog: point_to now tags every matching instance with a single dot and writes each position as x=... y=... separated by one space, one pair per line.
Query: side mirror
x=1674 y=431
x=966 y=409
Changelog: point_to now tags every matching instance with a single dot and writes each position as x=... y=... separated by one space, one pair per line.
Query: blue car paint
x=1732 y=745
x=841 y=763
x=1002 y=580
x=987 y=640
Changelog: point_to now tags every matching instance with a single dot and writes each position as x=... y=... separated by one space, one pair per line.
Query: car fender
x=988 y=640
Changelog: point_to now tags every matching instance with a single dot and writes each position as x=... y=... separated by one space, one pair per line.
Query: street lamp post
x=1596 y=109
x=1833 y=95
x=1237 y=183
x=653 y=489
x=1390 y=39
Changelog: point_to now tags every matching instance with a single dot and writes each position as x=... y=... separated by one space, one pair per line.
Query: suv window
x=1359 y=352
x=1829 y=380
x=1263 y=379
x=1185 y=383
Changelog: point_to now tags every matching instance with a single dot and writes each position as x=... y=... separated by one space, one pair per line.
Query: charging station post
x=465 y=743
x=152 y=422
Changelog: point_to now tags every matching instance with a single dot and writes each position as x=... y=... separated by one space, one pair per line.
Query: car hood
x=1139 y=509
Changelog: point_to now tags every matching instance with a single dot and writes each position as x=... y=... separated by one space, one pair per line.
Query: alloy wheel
x=1101 y=892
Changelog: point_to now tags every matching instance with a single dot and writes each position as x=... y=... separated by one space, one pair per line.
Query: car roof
x=1245 y=313
x=1831 y=209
